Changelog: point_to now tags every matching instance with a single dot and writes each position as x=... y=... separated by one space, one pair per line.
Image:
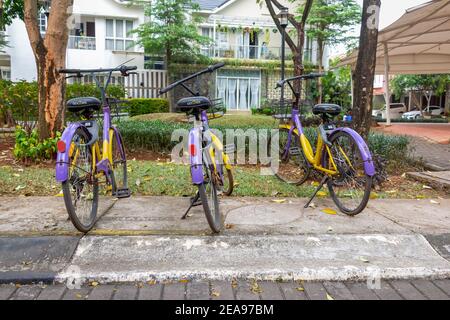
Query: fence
x=146 y=83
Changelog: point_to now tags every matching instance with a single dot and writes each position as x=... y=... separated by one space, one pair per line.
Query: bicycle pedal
x=122 y=193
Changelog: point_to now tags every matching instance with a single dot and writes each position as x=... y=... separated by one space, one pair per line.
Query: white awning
x=417 y=43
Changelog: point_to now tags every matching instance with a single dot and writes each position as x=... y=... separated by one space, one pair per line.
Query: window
x=42 y=20
x=118 y=35
x=6 y=74
x=239 y=90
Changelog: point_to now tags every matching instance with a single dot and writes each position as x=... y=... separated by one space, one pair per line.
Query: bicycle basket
x=118 y=108
x=282 y=111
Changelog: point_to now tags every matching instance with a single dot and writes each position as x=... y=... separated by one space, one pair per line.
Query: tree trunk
x=365 y=68
x=447 y=101
x=170 y=79
x=50 y=55
x=320 y=44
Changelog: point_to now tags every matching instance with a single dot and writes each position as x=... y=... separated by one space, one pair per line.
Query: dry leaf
x=93 y=284
x=234 y=283
x=322 y=194
x=300 y=289
x=215 y=293
x=229 y=226
x=373 y=195
x=79 y=296
x=329 y=211
x=329 y=297
x=279 y=200
x=427 y=187
x=364 y=260
x=255 y=288
x=312 y=205
x=184 y=281
x=315 y=184
x=151 y=282
x=434 y=202
x=138 y=182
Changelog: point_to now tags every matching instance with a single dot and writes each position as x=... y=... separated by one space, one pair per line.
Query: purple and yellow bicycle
x=341 y=155
x=81 y=163
x=210 y=165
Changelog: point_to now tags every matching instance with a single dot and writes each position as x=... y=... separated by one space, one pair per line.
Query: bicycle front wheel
x=293 y=167
x=210 y=200
x=350 y=188
x=227 y=183
x=81 y=189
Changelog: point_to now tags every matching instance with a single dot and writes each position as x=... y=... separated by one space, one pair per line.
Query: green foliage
x=75 y=90
x=169 y=32
x=3 y=42
x=29 y=148
x=146 y=106
x=11 y=10
x=331 y=21
x=337 y=88
x=425 y=83
x=420 y=120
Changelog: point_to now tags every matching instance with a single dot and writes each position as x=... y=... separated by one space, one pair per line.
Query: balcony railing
x=249 y=52
x=82 y=43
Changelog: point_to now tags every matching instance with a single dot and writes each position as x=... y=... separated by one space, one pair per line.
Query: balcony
x=250 y=52
x=82 y=43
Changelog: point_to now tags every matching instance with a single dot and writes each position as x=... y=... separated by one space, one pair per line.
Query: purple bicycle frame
x=196 y=150
x=369 y=167
x=104 y=165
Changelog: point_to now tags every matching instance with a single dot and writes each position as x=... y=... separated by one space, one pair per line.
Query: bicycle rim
x=293 y=167
x=351 y=188
x=81 y=189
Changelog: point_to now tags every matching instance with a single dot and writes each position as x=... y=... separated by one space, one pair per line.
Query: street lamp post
x=284 y=21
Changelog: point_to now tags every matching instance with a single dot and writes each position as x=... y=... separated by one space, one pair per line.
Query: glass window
x=119 y=28
x=129 y=27
x=109 y=44
x=42 y=19
x=109 y=28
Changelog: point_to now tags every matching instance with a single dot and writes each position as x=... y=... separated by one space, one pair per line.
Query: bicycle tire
x=332 y=186
x=210 y=201
x=68 y=187
x=229 y=186
x=118 y=165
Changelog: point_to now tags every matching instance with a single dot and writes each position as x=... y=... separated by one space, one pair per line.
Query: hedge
x=145 y=106
x=155 y=135
x=432 y=120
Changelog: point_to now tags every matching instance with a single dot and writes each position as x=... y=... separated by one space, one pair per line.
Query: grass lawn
x=244 y=120
x=162 y=178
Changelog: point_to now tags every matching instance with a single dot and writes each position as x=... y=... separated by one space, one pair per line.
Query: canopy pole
x=387 y=93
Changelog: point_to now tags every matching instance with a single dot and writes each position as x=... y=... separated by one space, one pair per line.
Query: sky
x=391 y=10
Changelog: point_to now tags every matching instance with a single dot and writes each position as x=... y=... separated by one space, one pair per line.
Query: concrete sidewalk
x=144 y=238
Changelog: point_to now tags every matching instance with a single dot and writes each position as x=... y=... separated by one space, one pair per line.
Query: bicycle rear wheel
x=293 y=167
x=119 y=163
x=210 y=200
x=350 y=189
x=81 y=189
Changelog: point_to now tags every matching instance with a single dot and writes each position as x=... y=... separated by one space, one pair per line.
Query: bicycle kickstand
x=324 y=180
x=194 y=203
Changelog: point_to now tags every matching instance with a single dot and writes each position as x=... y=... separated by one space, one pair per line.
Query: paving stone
x=197 y=290
x=174 y=291
x=125 y=292
x=387 y=292
x=54 y=292
x=102 y=292
x=407 y=290
x=338 y=290
x=150 y=292
x=291 y=291
x=361 y=291
x=6 y=291
x=243 y=291
x=223 y=289
x=26 y=293
x=431 y=291
x=444 y=285
x=315 y=291
x=77 y=294
x=270 y=291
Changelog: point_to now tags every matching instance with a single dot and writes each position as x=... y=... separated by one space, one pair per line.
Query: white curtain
x=246 y=45
x=239 y=53
x=221 y=88
x=254 y=87
x=232 y=84
x=243 y=87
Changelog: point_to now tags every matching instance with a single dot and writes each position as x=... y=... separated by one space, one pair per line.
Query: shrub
x=75 y=90
x=29 y=148
x=145 y=106
x=432 y=120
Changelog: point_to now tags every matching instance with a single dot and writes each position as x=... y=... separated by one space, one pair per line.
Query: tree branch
x=289 y=40
x=31 y=24
x=306 y=12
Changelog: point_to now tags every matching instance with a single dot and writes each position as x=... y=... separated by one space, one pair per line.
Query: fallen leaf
x=312 y=205
x=329 y=297
x=315 y=184
x=184 y=281
x=234 y=283
x=229 y=226
x=138 y=182
x=18 y=188
x=16 y=175
x=79 y=296
x=322 y=194
x=60 y=194
x=236 y=184
x=93 y=284
x=300 y=289
x=151 y=282
x=434 y=202
x=255 y=288
x=279 y=200
x=215 y=293
x=364 y=260
x=392 y=191
x=330 y=229
x=427 y=187
x=329 y=211
x=419 y=197
x=373 y=195
x=274 y=194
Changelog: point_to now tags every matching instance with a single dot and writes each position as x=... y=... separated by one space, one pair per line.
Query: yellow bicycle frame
x=315 y=159
x=217 y=145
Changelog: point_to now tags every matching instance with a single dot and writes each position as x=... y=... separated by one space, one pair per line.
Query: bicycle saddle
x=326 y=108
x=191 y=103
x=83 y=104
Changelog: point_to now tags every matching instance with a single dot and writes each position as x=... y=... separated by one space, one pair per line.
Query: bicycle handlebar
x=210 y=69
x=303 y=77
x=79 y=72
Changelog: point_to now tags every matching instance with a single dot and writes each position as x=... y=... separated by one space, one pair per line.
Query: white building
x=99 y=38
